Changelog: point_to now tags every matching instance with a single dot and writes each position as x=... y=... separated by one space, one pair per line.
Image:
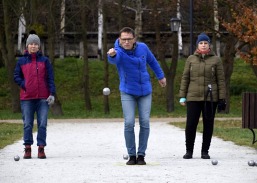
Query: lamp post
x=174 y=25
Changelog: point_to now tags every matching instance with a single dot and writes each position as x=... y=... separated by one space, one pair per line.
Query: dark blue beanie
x=203 y=37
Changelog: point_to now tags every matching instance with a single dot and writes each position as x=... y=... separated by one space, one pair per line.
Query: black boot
x=141 y=160
x=188 y=155
x=132 y=160
x=205 y=155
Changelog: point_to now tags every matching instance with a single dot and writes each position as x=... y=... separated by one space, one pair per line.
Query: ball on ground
x=214 y=162
x=251 y=163
x=255 y=162
x=125 y=156
x=16 y=158
x=106 y=91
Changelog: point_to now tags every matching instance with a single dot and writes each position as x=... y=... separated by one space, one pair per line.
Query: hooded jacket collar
x=211 y=53
x=27 y=54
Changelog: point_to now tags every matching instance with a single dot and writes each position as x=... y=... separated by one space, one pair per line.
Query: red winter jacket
x=34 y=74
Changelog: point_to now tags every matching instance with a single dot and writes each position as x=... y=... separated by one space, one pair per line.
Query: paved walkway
x=84 y=151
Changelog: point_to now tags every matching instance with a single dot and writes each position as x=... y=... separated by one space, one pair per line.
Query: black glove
x=221 y=105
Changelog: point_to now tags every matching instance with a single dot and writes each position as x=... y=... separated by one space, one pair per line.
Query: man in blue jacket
x=34 y=75
x=131 y=59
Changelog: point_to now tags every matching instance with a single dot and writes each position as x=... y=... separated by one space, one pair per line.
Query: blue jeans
x=143 y=103
x=28 y=109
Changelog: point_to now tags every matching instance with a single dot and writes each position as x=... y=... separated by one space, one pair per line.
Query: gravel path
x=89 y=151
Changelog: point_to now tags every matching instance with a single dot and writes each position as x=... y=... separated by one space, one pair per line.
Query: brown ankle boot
x=27 y=154
x=41 y=152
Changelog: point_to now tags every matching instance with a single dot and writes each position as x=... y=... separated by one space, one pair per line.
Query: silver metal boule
x=255 y=162
x=125 y=156
x=16 y=158
x=214 y=162
x=251 y=163
x=106 y=91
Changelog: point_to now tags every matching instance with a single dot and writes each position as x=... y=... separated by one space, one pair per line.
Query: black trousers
x=194 y=111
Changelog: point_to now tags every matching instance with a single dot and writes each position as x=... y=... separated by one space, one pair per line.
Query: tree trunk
x=180 y=40
x=171 y=75
x=216 y=35
x=84 y=15
x=56 y=109
x=228 y=65
x=159 y=45
x=1 y=58
x=62 y=27
x=106 y=66
x=100 y=30
x=10 y=60
x=138 y=20
x=169 y=93
x=120 y=12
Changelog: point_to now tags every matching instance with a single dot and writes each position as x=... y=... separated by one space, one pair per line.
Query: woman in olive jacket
x=202 y=89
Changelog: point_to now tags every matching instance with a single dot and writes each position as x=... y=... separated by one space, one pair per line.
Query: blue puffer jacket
x=34 y=74
x=132 y=68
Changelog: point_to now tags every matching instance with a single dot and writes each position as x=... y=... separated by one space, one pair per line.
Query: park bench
x=249 y=112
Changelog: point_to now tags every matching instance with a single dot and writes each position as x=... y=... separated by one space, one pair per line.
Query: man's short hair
x=127 y=30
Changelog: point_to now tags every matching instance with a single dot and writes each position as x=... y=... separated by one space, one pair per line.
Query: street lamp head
x=175 y=24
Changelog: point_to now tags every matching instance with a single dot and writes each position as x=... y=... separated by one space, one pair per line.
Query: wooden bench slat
x=249 y=110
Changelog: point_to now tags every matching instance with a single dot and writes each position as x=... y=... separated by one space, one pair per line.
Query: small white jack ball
x=106 y=91
x=125 y=156
x=16 y=158
x=214 y=162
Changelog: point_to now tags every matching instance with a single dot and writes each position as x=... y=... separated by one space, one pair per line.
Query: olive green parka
x=199 y=72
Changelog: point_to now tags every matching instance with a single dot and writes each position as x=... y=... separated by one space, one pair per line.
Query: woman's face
x=127 y=40
x=33 y=48
x=203 y=46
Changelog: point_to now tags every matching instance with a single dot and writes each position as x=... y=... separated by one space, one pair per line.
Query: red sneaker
x=41 y=152
x=27 y=154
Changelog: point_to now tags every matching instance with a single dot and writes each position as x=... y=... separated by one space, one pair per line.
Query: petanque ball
x=125 y=156
x=251 y=163
x=255 y=162
x=214 y=162
x=16 y=158
x=106 y=91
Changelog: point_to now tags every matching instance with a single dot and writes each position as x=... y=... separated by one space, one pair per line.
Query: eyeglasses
x=126 y=39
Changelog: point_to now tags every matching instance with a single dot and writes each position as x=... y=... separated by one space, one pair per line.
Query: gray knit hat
x=33 y=38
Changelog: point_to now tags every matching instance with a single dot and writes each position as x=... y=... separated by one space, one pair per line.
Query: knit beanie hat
x=33 y=38
x=203 y=37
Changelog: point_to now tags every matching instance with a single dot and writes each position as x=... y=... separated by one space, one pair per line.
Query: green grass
x=9 y=133
x=229 y=130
